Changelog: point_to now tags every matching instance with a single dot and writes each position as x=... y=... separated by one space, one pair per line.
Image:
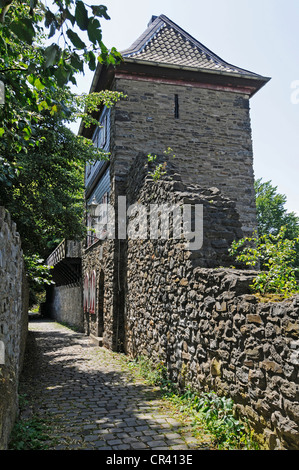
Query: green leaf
x=30 y=79
x=93 y=31
x=81 y=16
x=49 y=18
x=91 y=60
x=101 y=11
x=1 y=131
x=52 y=54
x=38 y=84
x=70 y=17
x=54 y=110
x=77 y=42
x=76 y=62
x=27 y=132
x=23 y=29
x=62 y=76
x=43 y=105
x=104 y=54
x=33 y=3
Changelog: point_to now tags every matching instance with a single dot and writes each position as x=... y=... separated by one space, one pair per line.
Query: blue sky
x=259 y=35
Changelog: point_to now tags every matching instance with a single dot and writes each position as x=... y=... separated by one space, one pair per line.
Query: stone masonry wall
x=209 y=330
x=66 y=305
x=13 y=322
x=211 y=138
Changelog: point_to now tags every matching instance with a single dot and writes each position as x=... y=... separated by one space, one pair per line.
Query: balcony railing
x=57 y=255
x=66 y=260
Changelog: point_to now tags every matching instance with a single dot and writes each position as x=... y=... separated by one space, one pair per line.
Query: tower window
x=176 y=106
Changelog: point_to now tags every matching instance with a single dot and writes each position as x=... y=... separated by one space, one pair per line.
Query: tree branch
x=13 y=69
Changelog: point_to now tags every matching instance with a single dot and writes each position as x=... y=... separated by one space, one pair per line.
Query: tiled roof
x=166 y=43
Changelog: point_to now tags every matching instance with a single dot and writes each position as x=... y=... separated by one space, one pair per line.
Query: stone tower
x=179 y=94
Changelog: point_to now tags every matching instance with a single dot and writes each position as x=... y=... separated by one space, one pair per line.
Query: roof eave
x=258 y=79
x=198 y=69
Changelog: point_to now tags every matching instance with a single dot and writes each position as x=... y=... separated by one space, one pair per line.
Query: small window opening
x=176 y=106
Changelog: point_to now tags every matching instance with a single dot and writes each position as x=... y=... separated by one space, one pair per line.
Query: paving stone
x=114 y=442
x=89 y=426
x=91 y=437
x=155 y=444
x=178 y=447
x=142 y=428
x=150 y=432
x=130 y=440
x=172 y=436
x=140 y=445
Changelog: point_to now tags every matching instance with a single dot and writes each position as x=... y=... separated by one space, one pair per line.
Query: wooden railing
x=58 y=254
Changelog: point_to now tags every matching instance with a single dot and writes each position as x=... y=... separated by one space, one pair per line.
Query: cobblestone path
x=92 y=398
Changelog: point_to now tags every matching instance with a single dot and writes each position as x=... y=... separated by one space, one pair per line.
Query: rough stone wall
x=211 y=138
x=213 y=335
x=221 y=222
x=66 y=305
x=13 y=322
x=207 y=328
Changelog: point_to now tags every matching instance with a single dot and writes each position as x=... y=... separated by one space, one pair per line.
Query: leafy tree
x=275 y=256
x=275 y=249
x=45 y=193
x=34 y=142
x=41 y=160
x=46 y=197
x=272 y=215
x=38 y=275
x=31 y=71
x=271 y=211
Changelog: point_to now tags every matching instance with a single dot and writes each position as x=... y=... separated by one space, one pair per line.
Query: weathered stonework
x=178 y=95
x=211 y=139
x=144 y=123
x=212 y=335
x=204 y=324
x=13 y=322
x=154 y=296
x=66 y=305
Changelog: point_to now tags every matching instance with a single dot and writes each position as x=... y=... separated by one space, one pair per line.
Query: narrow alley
x=92 y=399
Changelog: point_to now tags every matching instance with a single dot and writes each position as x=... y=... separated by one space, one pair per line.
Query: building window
x=97 y=219
x=102 y=133
x=176 y=106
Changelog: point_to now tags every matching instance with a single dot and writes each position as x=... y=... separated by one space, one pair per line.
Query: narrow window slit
x=176 y=106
